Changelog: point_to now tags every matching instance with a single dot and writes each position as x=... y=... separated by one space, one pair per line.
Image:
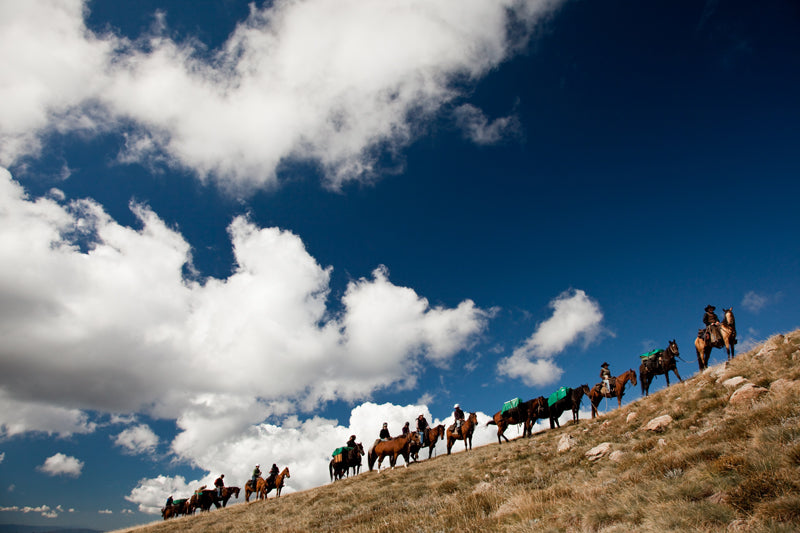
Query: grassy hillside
x=729 y=458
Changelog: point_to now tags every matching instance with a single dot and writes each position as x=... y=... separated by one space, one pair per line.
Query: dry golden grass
x=717 y=466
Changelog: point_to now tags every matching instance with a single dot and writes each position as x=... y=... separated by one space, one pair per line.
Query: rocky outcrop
x=746 y=393
x=659 y=423
x=599 y=451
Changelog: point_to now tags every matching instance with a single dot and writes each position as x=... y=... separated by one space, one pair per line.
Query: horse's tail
x=371 y=456
x=330 y=469
x=491 y=422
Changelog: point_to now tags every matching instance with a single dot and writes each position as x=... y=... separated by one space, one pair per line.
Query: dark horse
x=727 y=329
x=620 y=381
x=571 y=401
x=659 y=364
x=398 y=446
x=350 y=459
x=466 y=433
x=432 y=436
x=204 y=499
x=227 y=492
x=525 y=413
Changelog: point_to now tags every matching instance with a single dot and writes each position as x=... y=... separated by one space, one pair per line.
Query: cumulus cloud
x=303 y=446
x=575 y=316
x=132 y=334
x=62 y=465
x=335 y=83
x=137 y=440
x=755 y=302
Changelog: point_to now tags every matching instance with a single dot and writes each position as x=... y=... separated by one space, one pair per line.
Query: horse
x=277 y=484
x=351 y=459
x=392 y=448
x=249 y=489
x=432 y=435
x=620 y=381
x=572 y=401
x=728 y=333
x=467 y=428
x=658 y=365
x=203 y=499
x=518 y=415
x=227 y=492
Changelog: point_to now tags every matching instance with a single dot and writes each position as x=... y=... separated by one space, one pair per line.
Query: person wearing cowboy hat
x=605 y=375
x=458 y=414
x=254 y=477
x=711 y=320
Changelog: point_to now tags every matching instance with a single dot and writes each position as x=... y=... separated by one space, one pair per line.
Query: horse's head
x=585 y=389
x=413 y=438
x=285 y=472
x=729 y=319
x=473 y=418
x=673 y=348
x=360 y=448
x=633 y=376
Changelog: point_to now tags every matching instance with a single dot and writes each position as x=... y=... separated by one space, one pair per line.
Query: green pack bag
x=650 y=354
x=560 y=394
x=341 y=450
x=510 y=404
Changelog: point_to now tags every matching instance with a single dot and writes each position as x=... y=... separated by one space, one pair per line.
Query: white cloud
x=61 y=465
x=2 y=457
x=575 y=316
x=45 y=510
x=19 y=416
x=478 y=129
x=132 y=335
x=313 y=80
x=105 y=511
x=755 y=302
x=139 y=439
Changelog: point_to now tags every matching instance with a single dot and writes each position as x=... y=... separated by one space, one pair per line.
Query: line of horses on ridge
x=203 y=498
x=527 y=413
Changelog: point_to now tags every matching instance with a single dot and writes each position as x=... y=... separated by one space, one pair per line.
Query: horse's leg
x=675 y=369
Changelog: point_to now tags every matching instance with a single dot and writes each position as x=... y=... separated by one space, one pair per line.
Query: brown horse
x=728 y=330
x=659 y=365
x=277 y=484
x=467 y=428
x=249 y=489
x=570 y=401
x=227 y=492
x=178 y=507
x=432 y=436
x=398 y=446
x=620 y=381
x=525 y=413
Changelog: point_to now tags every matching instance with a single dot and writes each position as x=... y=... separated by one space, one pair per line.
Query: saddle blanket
x=650 y=354
x=560 y=394
x=510 y=404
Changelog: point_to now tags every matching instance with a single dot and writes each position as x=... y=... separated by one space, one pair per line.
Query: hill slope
x=729 y=458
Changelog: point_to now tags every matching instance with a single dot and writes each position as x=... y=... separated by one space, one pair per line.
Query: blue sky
x=240 y=233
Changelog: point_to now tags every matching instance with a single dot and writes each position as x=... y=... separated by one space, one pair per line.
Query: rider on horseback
x=273 y=473
x=384 y=434
x=422 y=429
x=255 y=476
x=711 y=321
x=219 y=485
x=605 y=375
x=352 y=442
x=458 y=415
